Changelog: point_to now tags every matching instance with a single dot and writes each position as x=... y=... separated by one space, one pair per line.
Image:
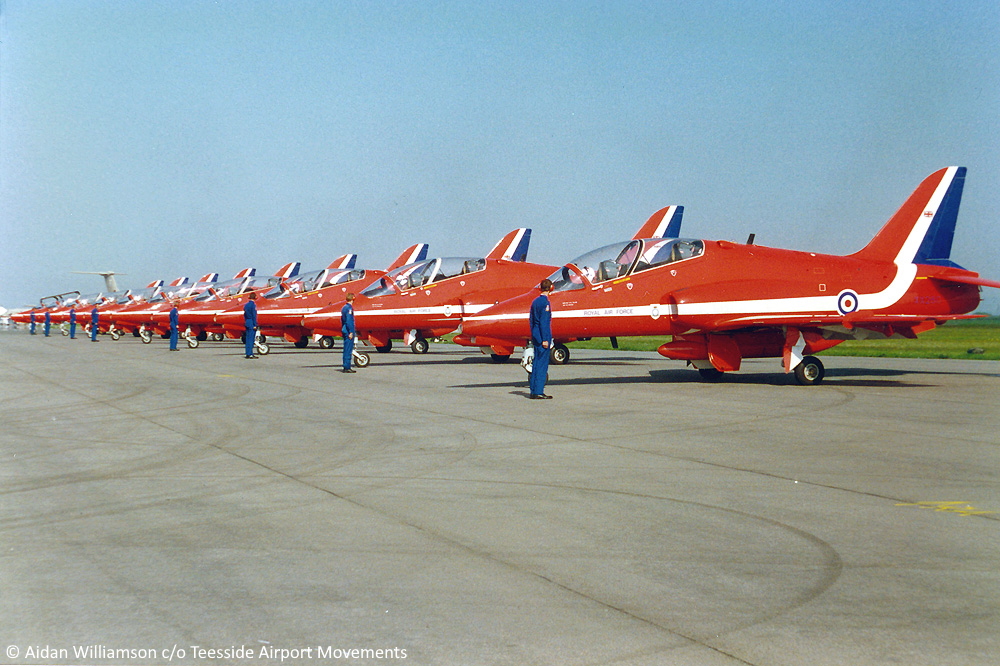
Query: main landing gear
x=810 y=371
x=807 y=373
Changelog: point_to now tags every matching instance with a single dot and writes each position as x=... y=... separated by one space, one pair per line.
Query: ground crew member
x=347 y=331
x=95 y=318
x=174 y=324
x=72 y=323
x=48 y=322
x=250 y=324
x=540 y=320
x=31 y=327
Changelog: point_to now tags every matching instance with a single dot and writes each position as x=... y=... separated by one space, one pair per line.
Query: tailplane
x=923 y=228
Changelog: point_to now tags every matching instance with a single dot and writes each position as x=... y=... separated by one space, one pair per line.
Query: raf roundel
x=847 y=302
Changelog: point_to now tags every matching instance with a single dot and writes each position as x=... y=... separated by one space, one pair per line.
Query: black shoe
x=251 y=357
x=348 y=370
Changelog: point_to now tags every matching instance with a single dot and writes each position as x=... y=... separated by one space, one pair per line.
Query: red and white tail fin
x=410 y=255
x=289 y=270
x=513 y=246
x=209 y=277
x=664 y=223
x=922 y=229
x=246 y=272
x=155 y=284
x=345 y=262
x=179 y=282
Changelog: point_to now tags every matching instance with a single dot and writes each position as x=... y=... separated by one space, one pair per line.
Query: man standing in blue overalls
x=95 y=318
x=250 y=324
x=540 y=319
x=347 y=331
x=174 y=325
x=72 y=323
x=48 y=322
x=31 y=327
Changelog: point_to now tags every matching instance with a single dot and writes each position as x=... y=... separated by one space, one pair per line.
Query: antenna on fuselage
x=109 y=277
x=750 y=239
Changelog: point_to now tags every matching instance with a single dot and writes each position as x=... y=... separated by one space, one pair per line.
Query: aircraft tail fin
x=345 y=262
x=155 y=284
x=923 y=228
x=289 y=270
x=245 y=273
x=513 y=246
x=209 y=277
x=664 y=223
x=179 y=282
x=410 y=255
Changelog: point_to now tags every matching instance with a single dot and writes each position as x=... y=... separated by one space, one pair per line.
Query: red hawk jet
x=723 y=301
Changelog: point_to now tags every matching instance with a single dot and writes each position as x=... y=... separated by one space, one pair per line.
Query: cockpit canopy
x=314 y=280
x=620 y=259
x=423 y=273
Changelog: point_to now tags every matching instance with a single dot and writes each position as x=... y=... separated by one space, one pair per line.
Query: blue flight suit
x=174 y=325
x=348 y=332
x=72 y=323
x=250 y=326
x=540 y=320
x=48 y=323
x=95 y=319
x=31 y=328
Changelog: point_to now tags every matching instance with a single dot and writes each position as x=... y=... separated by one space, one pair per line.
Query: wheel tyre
x=384 y=348
x=326 y=342
x=302 y=342
x=420 y=346
x=559 y=355
x=263 y=348
x=146 y=336
x=193 y=342
x=201 y=337
x=500 y=358
x=218 y=337
x=710 y=374
x=810 y=371
x=362 y=359
x=116 y=334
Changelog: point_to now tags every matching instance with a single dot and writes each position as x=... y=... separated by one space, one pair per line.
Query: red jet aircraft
x=137 y=317
x=281 y=313
x=428 y=298
x=723 y=301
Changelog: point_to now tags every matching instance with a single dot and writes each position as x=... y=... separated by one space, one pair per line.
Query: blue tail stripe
x=673 y=229
x=936 y=247
x=521 y=251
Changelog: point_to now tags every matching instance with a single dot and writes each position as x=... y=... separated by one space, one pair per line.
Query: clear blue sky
x=167 y=138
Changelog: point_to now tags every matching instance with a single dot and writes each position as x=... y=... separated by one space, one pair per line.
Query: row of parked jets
x=719 y=301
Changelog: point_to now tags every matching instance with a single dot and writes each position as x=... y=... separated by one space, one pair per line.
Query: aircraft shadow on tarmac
x=862 y=377
x=835 y=377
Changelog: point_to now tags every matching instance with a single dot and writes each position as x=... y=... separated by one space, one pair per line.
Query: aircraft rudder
x=414 y=253
x=664 y=223
x=513 y=246
x=924 y=225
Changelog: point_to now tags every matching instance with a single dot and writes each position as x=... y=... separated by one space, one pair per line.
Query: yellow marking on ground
x=959 y=507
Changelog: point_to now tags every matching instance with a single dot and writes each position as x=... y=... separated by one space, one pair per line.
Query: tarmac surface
x=156 y=506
